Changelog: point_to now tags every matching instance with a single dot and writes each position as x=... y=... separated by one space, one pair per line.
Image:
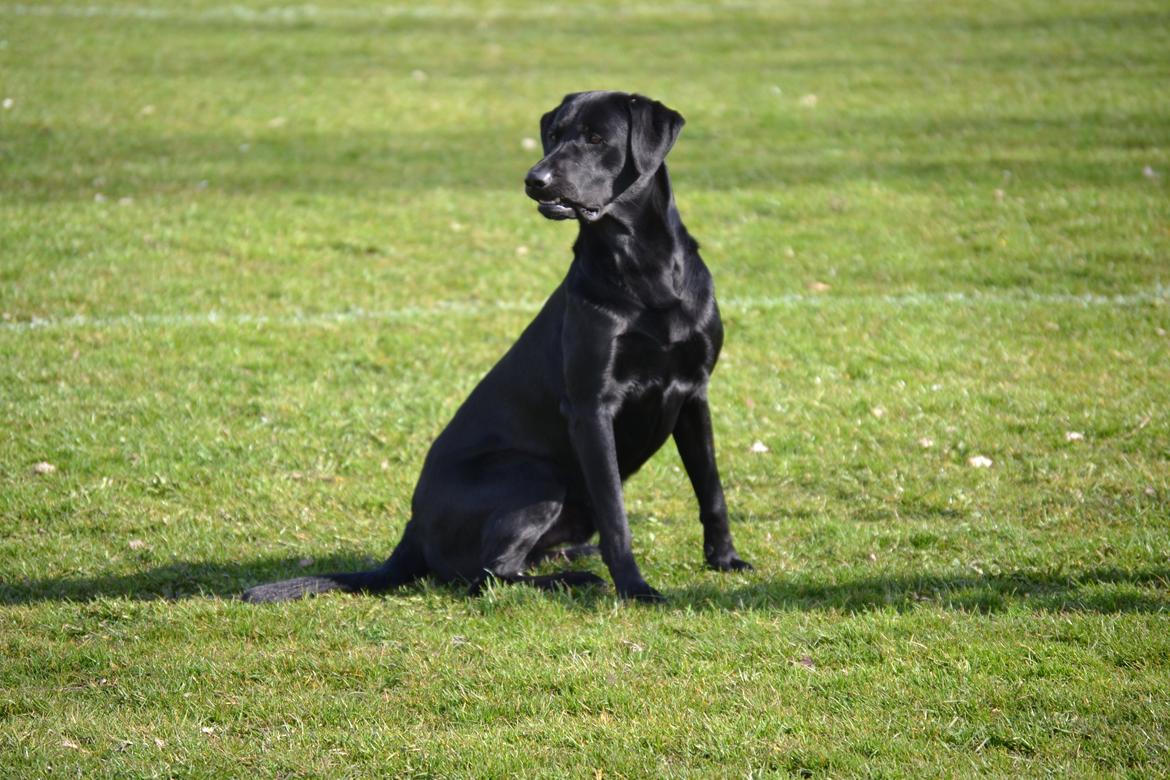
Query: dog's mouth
x=562 y=208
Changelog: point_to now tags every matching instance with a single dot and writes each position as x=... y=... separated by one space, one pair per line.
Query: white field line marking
x=459 y=309
x=307 y=12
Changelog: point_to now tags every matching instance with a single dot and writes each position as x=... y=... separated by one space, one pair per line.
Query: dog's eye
x=594 y=138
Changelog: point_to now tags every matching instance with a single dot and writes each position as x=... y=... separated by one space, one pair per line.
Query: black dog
x=616 y=361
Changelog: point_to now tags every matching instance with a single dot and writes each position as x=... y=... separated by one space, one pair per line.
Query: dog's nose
x=538 y=178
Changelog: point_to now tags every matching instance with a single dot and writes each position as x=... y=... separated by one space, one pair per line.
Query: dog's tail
x=405 y=565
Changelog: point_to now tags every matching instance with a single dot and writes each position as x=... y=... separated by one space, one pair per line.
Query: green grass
x=340 y=187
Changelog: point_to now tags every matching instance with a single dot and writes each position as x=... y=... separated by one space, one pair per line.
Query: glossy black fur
x=616 y=362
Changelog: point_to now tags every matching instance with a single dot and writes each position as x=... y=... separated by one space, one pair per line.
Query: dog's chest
x=653 y=378
x=659 y=361
x=644 y=362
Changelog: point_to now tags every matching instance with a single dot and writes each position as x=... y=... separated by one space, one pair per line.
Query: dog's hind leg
x=511 y=540
x=405 y=565
x=573 y=529
x=560 y=579
x=565 y=554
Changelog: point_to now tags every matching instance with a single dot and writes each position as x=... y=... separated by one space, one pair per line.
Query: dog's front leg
x=591 y=431
x=696 y=447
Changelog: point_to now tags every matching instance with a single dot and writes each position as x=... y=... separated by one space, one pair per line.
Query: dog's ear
x=653 y=131
x=546 y=121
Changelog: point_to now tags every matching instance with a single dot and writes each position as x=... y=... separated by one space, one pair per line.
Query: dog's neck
x=639 y=244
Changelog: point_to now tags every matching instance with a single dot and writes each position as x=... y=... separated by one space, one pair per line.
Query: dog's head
x=597 y=144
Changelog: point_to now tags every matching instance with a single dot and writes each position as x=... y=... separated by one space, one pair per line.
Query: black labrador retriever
x=616 y=361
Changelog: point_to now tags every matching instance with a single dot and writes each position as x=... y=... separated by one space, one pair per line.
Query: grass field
x=252 y=258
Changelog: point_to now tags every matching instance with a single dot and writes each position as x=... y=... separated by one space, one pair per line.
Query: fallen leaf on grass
x=136 y=544
x=818 y=287
x=807 y=662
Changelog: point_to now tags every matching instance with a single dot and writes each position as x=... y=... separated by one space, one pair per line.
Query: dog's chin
x=556 y=210
x=565 y=209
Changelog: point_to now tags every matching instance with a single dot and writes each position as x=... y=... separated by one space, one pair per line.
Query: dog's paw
x=729 y=563
x=642 y=593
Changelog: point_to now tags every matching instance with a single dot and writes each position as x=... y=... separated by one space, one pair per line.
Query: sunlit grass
x=252 y=258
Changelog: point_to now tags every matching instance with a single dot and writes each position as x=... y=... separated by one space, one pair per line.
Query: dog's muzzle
x=538 y=186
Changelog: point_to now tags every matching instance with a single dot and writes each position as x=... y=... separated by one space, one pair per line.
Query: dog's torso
x=644 y=362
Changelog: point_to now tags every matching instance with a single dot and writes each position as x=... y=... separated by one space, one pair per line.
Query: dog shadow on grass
x=1104 y=590
x=1101 y=590
x=175 y=580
